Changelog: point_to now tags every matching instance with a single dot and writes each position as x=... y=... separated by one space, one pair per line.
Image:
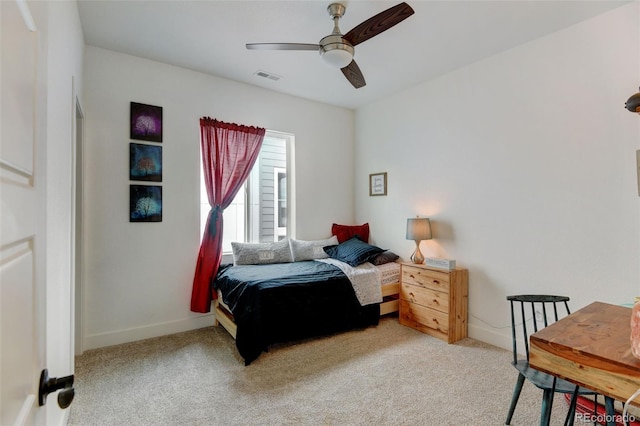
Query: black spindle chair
x=539 y=311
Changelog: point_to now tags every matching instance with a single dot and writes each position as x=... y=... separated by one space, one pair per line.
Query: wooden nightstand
x=434 y=301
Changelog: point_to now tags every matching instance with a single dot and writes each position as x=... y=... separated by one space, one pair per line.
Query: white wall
x=139 y=275
x=525 y=162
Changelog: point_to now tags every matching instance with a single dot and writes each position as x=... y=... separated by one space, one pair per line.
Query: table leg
x=611 y=414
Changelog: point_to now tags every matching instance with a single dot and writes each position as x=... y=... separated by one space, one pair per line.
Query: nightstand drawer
x=424 y=319
x=427 y=278
x=437 y=300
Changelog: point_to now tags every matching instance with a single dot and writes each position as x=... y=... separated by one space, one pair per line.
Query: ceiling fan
x=338 y=49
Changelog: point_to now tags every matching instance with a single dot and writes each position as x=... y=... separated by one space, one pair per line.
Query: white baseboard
x=492 y=337
x=117 y=337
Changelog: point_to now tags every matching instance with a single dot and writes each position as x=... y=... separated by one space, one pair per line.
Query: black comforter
x=289 y=301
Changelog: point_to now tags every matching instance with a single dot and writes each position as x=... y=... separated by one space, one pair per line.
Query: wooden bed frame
x=224 y=317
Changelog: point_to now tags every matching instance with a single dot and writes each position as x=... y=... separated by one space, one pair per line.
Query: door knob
x=65 y=397
x=52 y=384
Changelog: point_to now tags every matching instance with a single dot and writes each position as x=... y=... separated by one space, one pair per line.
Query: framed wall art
x=146 y=122
x=145 y=162
x=378 y=184
x=145 y=203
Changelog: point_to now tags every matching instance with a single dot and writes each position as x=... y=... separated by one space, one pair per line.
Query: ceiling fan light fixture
x=335 y=51
x=337 y=58
x=633 y=103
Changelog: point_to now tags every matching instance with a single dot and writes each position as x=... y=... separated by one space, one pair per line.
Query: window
x=260 y=211
x=280 y=210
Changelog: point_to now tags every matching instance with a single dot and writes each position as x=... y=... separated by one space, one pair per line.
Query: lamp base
x=417 y=256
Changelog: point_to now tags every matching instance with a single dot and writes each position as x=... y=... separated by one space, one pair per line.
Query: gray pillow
x=309 y=250
x=261 y=253
x=386 y=257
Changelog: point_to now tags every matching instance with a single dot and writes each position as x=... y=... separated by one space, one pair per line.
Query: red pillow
x=344 y=232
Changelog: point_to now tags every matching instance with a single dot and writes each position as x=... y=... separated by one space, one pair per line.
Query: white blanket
x=366 y=280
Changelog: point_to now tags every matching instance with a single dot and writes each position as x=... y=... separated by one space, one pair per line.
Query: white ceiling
x=210 y=36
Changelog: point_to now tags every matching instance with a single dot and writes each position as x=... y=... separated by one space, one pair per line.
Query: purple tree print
x=146 y=122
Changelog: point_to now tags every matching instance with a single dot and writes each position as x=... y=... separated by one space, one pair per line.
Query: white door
x=22 y=283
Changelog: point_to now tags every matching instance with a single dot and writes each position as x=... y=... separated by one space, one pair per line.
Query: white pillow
x=309 y=250
x=261 y=253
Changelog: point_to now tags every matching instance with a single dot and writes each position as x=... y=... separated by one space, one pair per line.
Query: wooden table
x=591 y=348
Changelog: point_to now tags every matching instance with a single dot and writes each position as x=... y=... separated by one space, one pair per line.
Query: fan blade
x=282 y=46
x=378 y=23
x=354 y=75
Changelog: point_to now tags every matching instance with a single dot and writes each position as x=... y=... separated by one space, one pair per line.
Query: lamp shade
x=418 y=229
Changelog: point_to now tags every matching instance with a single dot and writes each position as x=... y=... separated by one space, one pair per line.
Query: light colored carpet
x=389 y=374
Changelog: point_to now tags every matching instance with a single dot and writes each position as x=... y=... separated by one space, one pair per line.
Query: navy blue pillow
x=353 y=252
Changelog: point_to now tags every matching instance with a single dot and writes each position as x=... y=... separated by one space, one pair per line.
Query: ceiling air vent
x=267 y=75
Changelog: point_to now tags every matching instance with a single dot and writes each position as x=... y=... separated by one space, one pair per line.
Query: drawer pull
x=436 y=282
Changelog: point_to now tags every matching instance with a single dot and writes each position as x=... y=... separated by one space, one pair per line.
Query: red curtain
x=229 y=151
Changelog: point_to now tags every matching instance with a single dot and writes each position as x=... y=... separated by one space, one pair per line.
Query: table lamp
x=418 y=229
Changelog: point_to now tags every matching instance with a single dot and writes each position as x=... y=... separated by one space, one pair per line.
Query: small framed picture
x=146 y=122
x=145 y=162
x=145 y=203
x=378 y=184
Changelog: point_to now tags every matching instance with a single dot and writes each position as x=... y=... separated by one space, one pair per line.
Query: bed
x=266 y=303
